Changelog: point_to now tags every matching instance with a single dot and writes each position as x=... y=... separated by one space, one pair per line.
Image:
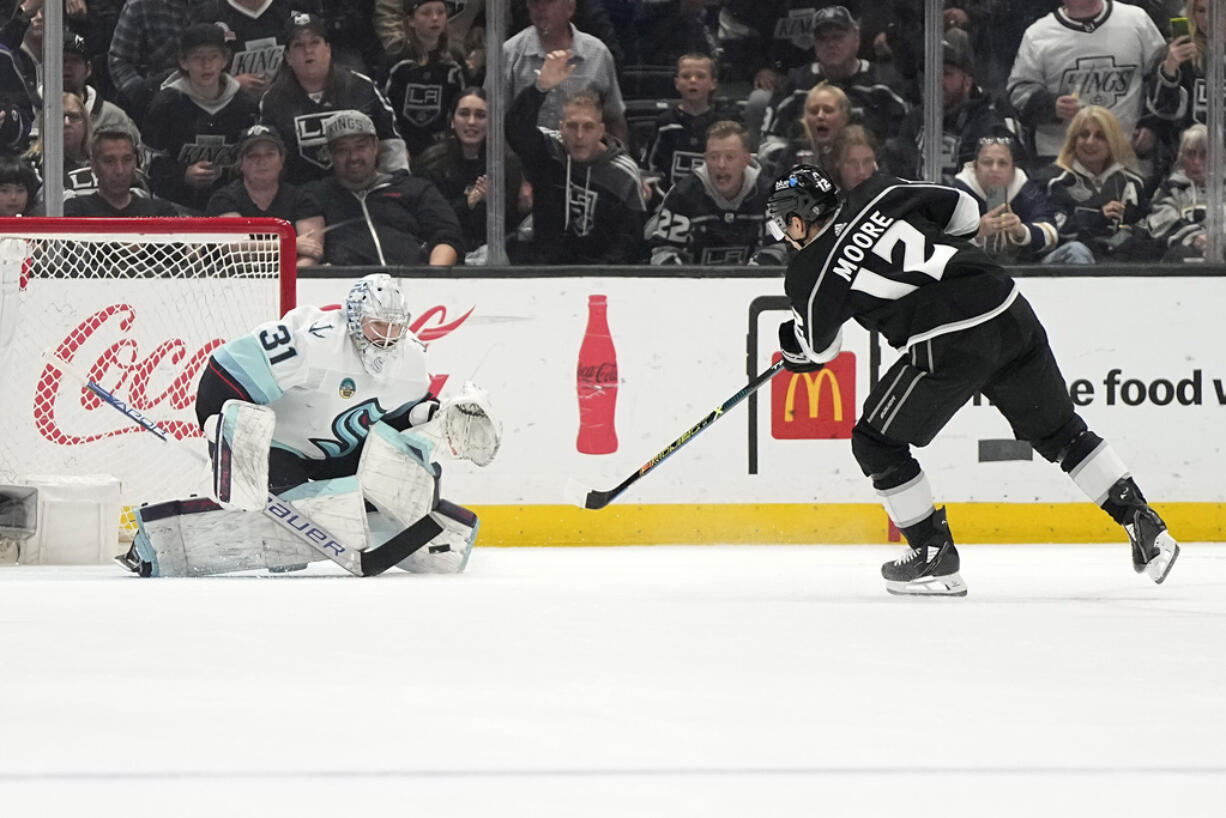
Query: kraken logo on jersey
x=350 y=428
x=309 y=134
x=422 y=103
x=581 y=208
x=348 y=387
x=1098 y=80
x=207 y=148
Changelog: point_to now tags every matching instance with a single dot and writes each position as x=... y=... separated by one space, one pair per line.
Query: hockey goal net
x=138 y=305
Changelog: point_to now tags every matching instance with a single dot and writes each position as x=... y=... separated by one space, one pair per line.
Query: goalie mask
x=378 y=319
x=805 y=192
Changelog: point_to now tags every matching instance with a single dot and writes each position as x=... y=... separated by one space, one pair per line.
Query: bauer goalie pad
x=196 y=537
x=241 y=434
x=446 y=536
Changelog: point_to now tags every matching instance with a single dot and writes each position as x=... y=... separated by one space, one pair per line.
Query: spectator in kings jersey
x=425 y=75
x=587 y=194
x=716 y=215
x=193 y=123
x=309 y=89
x=681 y=131
x=113 y=157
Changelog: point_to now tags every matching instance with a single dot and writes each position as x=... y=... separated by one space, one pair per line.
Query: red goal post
x=139 y=305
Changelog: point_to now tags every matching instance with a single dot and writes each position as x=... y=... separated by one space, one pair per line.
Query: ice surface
x=686 y=681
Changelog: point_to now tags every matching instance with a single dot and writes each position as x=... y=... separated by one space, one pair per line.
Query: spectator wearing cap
x=970 y=114
x=587 y=193
x=594 y=69
x=104 y=115
x=309 y=89
x=260 y=193
x=194 y=122
x=144 y=49
x=424 y=75
x=379 y=218
x=256 y=33
x=836 y=44
x=114 y=159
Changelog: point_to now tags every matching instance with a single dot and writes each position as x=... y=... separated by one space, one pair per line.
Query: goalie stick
x=580 y=495
x=367 y=563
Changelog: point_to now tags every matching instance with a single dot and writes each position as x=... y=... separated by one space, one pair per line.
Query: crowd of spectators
x=641 y=131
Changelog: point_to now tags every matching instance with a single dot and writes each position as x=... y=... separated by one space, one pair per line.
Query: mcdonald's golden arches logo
x=815 y=405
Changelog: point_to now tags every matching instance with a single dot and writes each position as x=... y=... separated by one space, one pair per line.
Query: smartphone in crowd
x=1179 y=27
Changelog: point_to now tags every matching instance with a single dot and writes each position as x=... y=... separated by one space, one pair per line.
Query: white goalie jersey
x=306 y=366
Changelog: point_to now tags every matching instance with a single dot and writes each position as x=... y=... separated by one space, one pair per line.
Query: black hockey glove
x=794 y=358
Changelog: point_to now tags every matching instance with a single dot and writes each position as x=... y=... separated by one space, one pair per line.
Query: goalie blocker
x=396 y=476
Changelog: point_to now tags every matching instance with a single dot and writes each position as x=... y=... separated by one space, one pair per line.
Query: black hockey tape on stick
x=279 y=511
x=595 y=499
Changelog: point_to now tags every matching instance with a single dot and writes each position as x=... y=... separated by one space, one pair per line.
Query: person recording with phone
x=1177 y=91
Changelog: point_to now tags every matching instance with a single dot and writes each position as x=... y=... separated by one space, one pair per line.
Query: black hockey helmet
x=805 y=192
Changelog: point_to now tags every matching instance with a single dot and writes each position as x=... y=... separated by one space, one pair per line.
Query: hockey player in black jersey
x=896 y=257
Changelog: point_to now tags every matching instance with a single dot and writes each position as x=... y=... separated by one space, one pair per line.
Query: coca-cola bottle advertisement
x=596 y=382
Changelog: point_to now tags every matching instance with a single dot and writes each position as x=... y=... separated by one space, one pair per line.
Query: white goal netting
x=138 y=305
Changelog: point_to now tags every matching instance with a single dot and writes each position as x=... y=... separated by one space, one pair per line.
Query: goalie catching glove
x=465 y=426
x=795 y=359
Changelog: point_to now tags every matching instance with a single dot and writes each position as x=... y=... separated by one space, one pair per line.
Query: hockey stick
x=371 y=562
x=580 y=495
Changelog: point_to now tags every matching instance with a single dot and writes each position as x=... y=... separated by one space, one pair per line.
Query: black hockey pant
x=1007 y=359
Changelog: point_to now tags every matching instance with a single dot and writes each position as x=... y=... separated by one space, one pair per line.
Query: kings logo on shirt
x=581 y=208
x=309 y=134
x=423 y=104
x=797 y=27
x=207 y=148
x=1098 y=80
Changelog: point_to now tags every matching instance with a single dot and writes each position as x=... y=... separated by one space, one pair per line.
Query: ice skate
x=132 y=561
x=930 y=569
x=1154 y=550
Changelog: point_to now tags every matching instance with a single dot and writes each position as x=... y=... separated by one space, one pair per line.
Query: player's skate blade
x=1161 y=565
x=948 y=585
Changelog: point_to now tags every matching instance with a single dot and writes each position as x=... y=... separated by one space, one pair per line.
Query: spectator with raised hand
x=969 y=115
x=1087 y=52
x=256 y=32
x=379 y=218
x=872 y=101
x=1097 y=194
x=716 y=215
x=424 y=75
x=587 y=194
x=593 y=68
x=114 y=160
x=457 y=167
x=680 y=137
x=144 y=49
x=1177 y=216
x=1016 y=221
x=260 y=193
x=309 y=89
x=194 y=121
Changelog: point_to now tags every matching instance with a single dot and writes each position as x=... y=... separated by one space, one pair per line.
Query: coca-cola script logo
x=123 y=370
x=598 y=374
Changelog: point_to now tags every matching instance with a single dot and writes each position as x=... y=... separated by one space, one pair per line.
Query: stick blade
x=580 y=495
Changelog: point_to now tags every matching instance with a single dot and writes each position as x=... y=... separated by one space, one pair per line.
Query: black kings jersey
x=897 y=258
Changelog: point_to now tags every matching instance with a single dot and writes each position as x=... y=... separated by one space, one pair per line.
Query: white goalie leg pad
x=241 y=433
x=466 y=426
x=196 y=537
x=396 y=473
